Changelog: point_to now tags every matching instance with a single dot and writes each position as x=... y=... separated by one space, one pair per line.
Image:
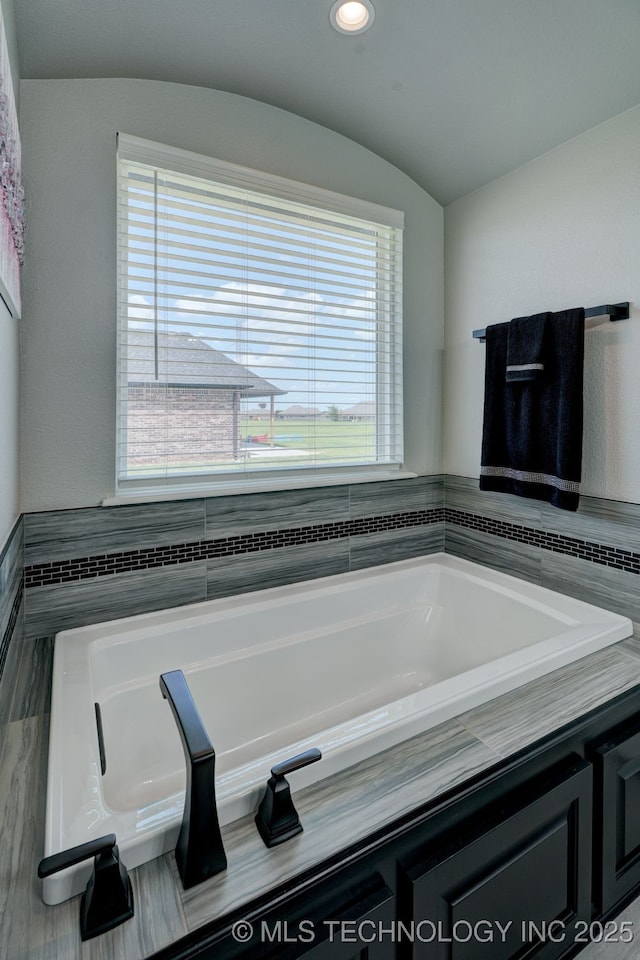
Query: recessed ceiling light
x=352 y=16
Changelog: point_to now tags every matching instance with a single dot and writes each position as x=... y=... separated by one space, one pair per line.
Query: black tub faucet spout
x=199 y=850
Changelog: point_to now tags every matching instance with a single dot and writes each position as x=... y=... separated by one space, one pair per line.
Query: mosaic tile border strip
x=100 y=565
x=13 y=619
x=616 y=557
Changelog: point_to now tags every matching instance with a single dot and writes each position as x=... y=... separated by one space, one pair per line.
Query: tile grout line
x=497 y=754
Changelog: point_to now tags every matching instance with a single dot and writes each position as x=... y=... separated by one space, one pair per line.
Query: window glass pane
x=256 y=332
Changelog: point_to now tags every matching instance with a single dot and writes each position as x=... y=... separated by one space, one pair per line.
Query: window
x=260 y=325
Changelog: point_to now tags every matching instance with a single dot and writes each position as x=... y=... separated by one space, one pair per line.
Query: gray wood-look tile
x=10 y=693
x=11 y=553
x=632 y=644
x=610 y=522
x=92 y=531
x=50 y=609
x=396 y=496
x=617 y=950
x=276 y=510
x=517 y=719
x=158 y=920
x=274 y=568
x=604 y=586
x=340 y=811
x=29 y=927
x=434 y=489
x=509 y=556
x=8 y=682
x=32 y=686
x=371 y=549
x=11 y=566
x=6 y=608
x=14 y=540
x=463 y=493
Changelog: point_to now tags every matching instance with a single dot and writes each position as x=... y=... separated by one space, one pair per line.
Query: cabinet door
x=359 y=935
x=342 y=920
x=511 y=882
x=617 y=765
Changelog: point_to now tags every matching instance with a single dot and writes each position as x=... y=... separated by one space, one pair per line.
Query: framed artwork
x=11 y=194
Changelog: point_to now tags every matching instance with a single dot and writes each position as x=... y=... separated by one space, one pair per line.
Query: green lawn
x=329 y=438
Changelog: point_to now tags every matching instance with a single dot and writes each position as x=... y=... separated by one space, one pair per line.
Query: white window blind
x=260 y=323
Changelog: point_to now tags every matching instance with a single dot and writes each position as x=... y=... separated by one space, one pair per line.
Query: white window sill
x=232 y=488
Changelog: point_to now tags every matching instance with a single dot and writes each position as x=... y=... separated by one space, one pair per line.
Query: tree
x=334 y=412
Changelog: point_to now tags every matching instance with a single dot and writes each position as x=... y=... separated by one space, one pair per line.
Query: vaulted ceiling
x=453 y=92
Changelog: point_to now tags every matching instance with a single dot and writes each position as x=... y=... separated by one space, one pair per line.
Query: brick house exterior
x=185 y=409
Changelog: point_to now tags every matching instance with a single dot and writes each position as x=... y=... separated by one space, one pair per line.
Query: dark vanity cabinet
x=525 y=860
x=617 y=769
x=337 y=919
x=516 y=873
x=348 y=932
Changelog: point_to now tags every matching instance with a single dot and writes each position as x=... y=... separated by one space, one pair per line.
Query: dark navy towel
x=526 y=348
x=532 y=432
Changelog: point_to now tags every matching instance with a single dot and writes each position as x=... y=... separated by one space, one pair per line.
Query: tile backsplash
x=92 y=564
x=592 y=554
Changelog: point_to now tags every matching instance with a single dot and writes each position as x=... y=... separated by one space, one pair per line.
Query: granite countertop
x=335 y=812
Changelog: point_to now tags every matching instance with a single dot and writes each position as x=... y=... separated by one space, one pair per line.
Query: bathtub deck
x=332 y=813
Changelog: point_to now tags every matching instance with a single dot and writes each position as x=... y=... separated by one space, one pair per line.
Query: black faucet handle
x=108 y=900
x=296 y=763
x=277 y=819
x=69 y=858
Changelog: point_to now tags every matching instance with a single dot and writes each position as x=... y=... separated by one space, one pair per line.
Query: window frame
x=173 y=159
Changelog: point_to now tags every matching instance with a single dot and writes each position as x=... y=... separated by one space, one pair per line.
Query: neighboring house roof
x=297 y=411
x=362 y=409
x=185 y=360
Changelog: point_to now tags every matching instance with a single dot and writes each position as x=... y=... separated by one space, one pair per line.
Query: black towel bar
x=615 y=311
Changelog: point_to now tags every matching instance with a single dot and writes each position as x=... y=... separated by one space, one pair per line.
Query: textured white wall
x=69 y=291
x=12 y=46
x=9 y=364
x=562 y=231
x=9 y=449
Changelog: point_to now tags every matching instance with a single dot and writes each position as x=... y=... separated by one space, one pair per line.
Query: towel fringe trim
x=525 y=366
x=569 y=486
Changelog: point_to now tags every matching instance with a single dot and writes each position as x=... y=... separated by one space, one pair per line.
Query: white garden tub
x=351 y=664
